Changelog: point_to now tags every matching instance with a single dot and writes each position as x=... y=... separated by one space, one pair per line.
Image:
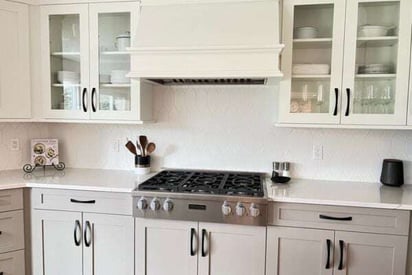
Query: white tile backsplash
x=221 y=128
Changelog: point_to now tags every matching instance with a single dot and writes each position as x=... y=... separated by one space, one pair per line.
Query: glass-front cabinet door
x=377 y=55
x=313 y=32
x=65 y=61
x=113 y=95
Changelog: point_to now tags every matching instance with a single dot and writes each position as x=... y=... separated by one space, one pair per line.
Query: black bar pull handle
x=204 y=233
x=325 y=217
x=328 y=246
x=341 y=247
x=86 y=202
x=94 y=103
x=77 y=227
x=84 y=100
x=348 y=102
x=335 y=110
x=192 y=238
x=87 y=240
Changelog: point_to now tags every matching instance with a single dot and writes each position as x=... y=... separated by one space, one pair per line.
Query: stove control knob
x=155 y=204
x=142 y=204
x=240 y=209
x=254 y=210
x=226 y=209
x=167 y=205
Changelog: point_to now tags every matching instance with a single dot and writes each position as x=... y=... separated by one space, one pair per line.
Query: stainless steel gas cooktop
x=207 y=196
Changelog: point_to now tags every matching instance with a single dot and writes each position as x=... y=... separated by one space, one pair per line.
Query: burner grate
x=206 y=182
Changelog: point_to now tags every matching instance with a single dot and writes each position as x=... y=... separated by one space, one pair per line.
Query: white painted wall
x=222 y=128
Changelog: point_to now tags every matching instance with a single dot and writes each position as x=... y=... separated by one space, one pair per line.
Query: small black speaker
x=392 y=172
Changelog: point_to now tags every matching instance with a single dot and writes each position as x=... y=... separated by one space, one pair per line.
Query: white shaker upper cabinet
x=85 y=63
x=377 y=55
x=15 y=101
x=313 y=32
x=65 y=61
x=345 y=68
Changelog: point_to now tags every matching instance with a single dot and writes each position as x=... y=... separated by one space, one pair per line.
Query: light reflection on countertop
x=75 y=179
x=341 y=193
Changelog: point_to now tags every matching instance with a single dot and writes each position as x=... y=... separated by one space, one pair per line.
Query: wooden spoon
x=132 y=148
x=150 y=148
x=143 y=144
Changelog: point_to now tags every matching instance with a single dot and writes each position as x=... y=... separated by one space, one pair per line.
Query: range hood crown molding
x=192 y=41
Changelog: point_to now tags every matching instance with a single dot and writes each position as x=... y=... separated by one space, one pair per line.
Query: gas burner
x=206 y=182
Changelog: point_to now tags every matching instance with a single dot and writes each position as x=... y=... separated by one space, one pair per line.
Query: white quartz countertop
x=340 y=193
x=75 y=179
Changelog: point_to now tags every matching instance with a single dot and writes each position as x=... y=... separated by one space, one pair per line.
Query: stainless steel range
x=205 y=196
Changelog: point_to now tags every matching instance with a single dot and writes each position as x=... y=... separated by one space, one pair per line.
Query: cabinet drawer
x=82 y=201
x=12 y=263
x=340 y=218
x=11 y=200
x=11 y=231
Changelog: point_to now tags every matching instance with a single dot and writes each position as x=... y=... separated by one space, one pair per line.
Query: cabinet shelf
x=115 y=53
x=60 y=85
x=379 y=41
x=312 y=43
x=311 y=76
x=376 y=76
x=73 y=56
x=110 y=85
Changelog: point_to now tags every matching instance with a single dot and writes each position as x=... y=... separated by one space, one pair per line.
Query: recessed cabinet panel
x=296 y=251
x=15 y=99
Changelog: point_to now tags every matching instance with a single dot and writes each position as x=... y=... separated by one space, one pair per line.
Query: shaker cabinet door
x=376 y=63
x=15 y=100
x=166 y=247
x=362 y=253
x=231 y=249
x=65 y=61
x=108 y=245
x=313 y=32
x=296 y=251
x=57 y=239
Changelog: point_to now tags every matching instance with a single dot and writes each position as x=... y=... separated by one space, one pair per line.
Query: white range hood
x=181 y=42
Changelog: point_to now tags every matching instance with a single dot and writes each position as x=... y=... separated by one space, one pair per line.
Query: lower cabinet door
x=12 y=263
x=231 y=249
x=57 y=243
x=108 y=244
x=164 y=247
x=362 y=253
x=297 y=251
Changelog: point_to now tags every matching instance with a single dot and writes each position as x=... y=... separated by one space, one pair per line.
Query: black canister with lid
x=392 y=172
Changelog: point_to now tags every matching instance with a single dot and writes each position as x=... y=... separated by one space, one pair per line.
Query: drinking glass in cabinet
x=65 y=61
x=374 y=96
x=114 y=61
x=309 y=97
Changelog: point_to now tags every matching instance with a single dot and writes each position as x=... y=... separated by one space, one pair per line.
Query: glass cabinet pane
x=114 y=62
x=65 y=62
x=312 y=54
x=376 y=57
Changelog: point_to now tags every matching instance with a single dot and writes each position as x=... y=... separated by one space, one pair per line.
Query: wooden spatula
x=132 y=148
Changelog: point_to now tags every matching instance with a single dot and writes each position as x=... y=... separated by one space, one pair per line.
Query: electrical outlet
x=15 y=144
x=317 y=152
